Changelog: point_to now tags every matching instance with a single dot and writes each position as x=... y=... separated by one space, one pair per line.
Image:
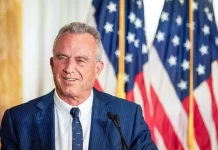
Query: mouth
x=69 y=79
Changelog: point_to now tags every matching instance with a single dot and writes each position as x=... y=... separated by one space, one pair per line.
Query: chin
x=70 y=91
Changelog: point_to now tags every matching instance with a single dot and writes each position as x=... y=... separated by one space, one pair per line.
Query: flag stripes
x=159 y=80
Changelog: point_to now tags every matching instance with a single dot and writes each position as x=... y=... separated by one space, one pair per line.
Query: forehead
x=75 y=42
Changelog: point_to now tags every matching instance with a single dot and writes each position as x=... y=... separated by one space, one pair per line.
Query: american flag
x=105 y=16
x=168 y=75
x=161 y=84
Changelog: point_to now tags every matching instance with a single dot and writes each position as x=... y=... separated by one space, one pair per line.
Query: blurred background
x=177 y=91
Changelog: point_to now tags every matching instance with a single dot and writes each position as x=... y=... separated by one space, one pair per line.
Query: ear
x=52 y=63
x=99 y=67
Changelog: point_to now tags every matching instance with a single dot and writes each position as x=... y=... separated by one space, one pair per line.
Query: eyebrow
x=76 y=57
x=60 y=54
x=81 y=57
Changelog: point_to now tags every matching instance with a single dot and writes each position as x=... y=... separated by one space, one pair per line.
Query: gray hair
x=78 y=27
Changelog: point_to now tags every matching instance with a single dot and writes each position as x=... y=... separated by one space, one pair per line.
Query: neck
x=73 y=100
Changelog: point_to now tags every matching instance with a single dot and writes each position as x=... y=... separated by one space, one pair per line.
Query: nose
x=70 y=66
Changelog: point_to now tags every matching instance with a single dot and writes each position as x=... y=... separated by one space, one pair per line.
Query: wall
x=41 y=22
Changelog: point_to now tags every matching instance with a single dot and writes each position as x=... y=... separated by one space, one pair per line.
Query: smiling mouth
x=70 y=79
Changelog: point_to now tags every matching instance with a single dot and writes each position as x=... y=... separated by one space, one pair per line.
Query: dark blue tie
x=77 y=130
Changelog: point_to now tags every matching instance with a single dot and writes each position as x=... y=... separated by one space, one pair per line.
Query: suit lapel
x=99 y=124
x=44 y=120
x=100 y=138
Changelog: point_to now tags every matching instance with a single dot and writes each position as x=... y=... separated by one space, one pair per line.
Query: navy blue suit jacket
x=31 y=126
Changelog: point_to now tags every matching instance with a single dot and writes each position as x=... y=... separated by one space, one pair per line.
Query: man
x=75 y=115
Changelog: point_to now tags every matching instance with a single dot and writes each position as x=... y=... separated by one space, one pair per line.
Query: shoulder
x=116 y=103
x=25 y=107
x=120 y=101
x=111 y=98
x=26 y=110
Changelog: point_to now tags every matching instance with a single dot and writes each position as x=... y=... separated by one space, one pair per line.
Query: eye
x=62 y=58
x=80 y=60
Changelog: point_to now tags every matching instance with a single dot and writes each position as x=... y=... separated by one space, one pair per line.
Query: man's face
x=74 y=65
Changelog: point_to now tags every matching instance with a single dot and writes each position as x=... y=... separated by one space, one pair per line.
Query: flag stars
x=178 y=20
x=185 y=65
x=192 y=25
x=206 y=10
x=195 y=5
x=160 y=36
x=187 y=45
x=117 y=53
x=181 y=2
x=203 y=50
x=136 y=43
x=200 y=69
x=130 y=37
x=182 y=85
x=128 y=58
x=144 y=49
x=164 y=16
x=112 y=7
x=172 y=60
x=126 y=78
x=138 y=23
x=108 y=27
x=210 y=16
x=175 y=40
x=132 y=17
x=144 y=29
x=206 y=30
x=139 y=3
x=216 y=41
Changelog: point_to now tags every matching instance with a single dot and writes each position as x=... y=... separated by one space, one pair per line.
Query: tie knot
x=74 y=112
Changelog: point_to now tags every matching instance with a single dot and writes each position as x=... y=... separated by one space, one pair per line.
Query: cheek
x=86 y=73
x=57 y=68
x=91 y=73
x=57 y=71
x=57 y=76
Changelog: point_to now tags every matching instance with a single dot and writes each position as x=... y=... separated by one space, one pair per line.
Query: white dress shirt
x=63 y=122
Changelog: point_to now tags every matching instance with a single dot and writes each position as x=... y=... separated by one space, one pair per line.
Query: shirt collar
x=65 y=108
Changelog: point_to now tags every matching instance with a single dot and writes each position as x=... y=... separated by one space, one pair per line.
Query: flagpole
x=120 y=91
x=191 y=88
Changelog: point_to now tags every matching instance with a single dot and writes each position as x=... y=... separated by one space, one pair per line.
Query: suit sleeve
x=8 y=138
x=141 y=134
